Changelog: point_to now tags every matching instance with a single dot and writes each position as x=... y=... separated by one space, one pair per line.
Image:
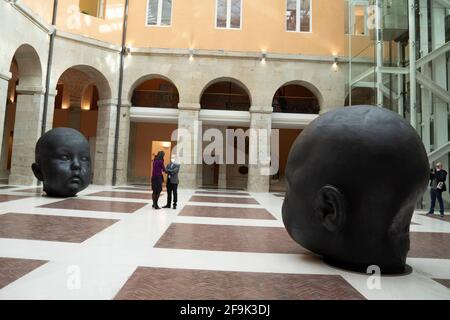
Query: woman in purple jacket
x=157 y=178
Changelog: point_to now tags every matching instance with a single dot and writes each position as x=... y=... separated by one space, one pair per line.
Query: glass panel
x=235 y=21
x=221 y=14
x=152 y=14
x=305 y=15
x=166 y=12
x=359 y=21
x=346 y=17
x=90 y=7
x=291 y=15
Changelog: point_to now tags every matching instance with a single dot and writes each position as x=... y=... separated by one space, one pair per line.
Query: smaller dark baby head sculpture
x=353 y=178
x=63 y=162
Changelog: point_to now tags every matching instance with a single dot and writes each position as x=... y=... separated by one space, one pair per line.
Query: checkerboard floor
x=108 y=243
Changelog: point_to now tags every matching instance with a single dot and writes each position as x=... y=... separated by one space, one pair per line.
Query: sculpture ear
x=37 y=171
x=331 y=208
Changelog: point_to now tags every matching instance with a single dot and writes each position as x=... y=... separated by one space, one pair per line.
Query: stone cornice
x=242 y=55
x=261 y=109
x=107 y=102
x=6 y=76
x=87 y=41
x=189 y=106
x=29 y=90
x=30 y=15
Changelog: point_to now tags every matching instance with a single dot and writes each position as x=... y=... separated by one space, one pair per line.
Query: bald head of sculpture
x=63 y=162
x=354 y=176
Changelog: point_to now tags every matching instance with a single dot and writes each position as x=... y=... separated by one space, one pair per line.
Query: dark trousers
x=435 y=193
x=172 y=188
x=157 y=188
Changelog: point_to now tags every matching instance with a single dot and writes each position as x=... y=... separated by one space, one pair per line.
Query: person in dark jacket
x=157 y=178
x=437 y=184
x=172 y=182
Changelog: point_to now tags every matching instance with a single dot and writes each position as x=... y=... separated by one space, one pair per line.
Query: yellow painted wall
x=43 y=8
x=263 y=28
x=109 y=29
x=193 y=25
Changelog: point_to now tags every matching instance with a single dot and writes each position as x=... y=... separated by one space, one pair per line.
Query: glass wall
x=398 y=58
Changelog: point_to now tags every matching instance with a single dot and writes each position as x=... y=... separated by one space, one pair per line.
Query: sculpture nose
x=76 y=164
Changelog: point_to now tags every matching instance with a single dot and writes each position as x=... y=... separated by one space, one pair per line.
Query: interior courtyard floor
x=108 y=243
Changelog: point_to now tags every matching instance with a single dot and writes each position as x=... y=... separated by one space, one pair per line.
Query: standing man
x=172 y=182
x=437 y=178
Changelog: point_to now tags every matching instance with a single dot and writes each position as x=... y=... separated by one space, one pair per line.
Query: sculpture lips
x=76 y=180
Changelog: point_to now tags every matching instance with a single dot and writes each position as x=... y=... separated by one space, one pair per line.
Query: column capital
x=5 y=76
x=261 y=109
x=189 y=106
x=125 y=106
x=30 y=90
x=52 y=92
x=107 y=102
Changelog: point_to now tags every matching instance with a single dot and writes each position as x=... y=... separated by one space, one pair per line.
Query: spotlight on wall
x=166 y=144
x=335 y=64
x=191 y=54
x=263 y=56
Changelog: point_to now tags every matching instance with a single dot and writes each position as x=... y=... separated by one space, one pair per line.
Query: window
x=228 y=14
x=94 y=8
x=159 y=12
x=356 y=18
x=298 y=15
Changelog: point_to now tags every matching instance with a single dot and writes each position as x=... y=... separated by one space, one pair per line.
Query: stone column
x=104 y=146
x=260 y=118
x=222 y=184
x=124 y=141
x=75 y=112
x=50 y=110
x=27 y=130
x=190 y=142
x=3 y=103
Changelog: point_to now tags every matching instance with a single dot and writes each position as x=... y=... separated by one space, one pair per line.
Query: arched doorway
x=23 y=116
x=152 y=133
x=291 y=98
x=82 y=93
x=231 y=98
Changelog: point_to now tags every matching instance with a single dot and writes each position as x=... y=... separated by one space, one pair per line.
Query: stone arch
x=239 y=84
x=29 y=66
x=92 y=115
x=149 y=77
x=94 y=76
x=294 y=97
x=170 y=99
x=23 y=115
x=309 y=86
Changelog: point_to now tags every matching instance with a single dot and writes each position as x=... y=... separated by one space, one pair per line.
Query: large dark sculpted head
x=353 y=178
x=63 y=162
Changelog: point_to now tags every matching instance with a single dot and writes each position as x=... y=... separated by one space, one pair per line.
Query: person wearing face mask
x=437 y=184
x=172 y=182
